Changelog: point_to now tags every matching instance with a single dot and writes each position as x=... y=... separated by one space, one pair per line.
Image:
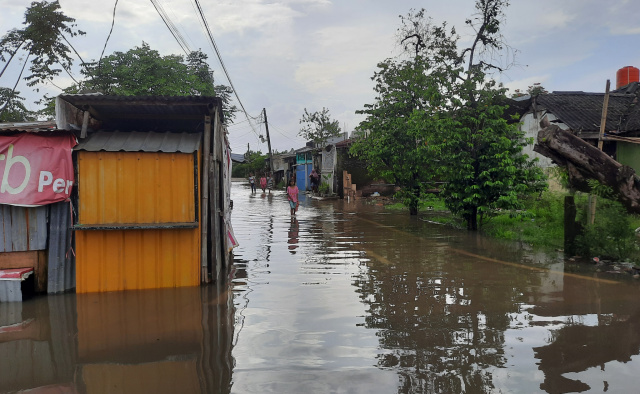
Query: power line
x=113 y=22
x=171 y=26
x=217 y=51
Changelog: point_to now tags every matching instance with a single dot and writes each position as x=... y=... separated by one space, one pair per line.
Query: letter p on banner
x=36 y=169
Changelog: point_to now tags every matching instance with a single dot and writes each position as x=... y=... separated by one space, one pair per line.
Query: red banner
x=36 y=169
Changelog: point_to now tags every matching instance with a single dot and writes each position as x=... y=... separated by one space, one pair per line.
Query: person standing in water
x=292 y=196
x=269 y=183
x=252 y=182
x=263 y=182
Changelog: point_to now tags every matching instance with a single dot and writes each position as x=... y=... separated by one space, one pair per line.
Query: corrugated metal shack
x=152 y=206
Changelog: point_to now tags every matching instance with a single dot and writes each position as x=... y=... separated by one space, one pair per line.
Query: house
x=581 y=113
x=303 y=167
x=151 y=202
x=153 y=207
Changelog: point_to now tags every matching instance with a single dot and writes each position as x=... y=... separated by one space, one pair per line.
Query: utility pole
x=266 y=126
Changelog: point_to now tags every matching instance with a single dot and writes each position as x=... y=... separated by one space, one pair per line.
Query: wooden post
x=216 y=206
x=85 y=124
x=591 y=210
x=266 y=127
x=603 y=119
x=570 y=230
x=204 y=207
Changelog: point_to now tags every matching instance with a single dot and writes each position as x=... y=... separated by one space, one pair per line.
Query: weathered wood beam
x=585 y=161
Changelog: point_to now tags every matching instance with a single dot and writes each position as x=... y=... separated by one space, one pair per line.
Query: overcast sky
x=287 y=55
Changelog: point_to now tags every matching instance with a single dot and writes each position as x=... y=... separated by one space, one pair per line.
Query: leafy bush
x=611 y=236
x=324 y=188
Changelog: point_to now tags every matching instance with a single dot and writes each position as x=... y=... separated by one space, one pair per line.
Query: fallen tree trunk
x=585 y=161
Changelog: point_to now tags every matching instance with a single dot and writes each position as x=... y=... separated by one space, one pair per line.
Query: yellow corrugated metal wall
x=136 y=188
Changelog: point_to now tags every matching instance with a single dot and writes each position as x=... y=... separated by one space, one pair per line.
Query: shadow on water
x=153 y=341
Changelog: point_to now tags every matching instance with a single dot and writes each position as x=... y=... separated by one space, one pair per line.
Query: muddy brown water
x=344 y=298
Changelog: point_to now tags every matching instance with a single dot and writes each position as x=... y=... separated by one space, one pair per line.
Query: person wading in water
x=292 y=196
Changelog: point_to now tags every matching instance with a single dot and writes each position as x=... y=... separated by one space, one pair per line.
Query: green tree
x=318 y=126
x=395 y=148
x=42 y=44
x=43 y=40
x=532 y=90
x=255 y=164
x=454 y=127
x=14 y=108
x=143 y=71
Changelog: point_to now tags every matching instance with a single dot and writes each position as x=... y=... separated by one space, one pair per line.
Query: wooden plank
x=40 y=271
x=18 y=259
x=206 y=152
x=603 y=120
x=136 y=226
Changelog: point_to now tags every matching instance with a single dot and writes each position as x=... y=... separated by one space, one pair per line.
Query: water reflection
x=294 y=228
x=155 y=341
x=442 y=310
x=457 y=314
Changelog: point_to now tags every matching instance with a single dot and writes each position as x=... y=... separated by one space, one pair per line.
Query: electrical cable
x=217 y=51
x=113 y=22
x=172 y=27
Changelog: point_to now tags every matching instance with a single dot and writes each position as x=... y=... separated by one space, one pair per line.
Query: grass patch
x=542 y=224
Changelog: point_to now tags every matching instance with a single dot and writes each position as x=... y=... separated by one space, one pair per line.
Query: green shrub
x=324 y=188
x=612 y=235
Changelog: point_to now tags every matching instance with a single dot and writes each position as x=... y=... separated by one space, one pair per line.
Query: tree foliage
x=44 y=47
x=438 y=116
x=532 y=90
x=42 y=40
x=145 y=72
x=255 y=164
x=318 y=126
x=14 y=108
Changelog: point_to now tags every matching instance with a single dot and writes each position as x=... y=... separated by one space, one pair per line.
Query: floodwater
x=343 y=298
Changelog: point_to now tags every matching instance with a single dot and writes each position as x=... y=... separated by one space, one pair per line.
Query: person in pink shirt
x=263 y=182
x=292 y=196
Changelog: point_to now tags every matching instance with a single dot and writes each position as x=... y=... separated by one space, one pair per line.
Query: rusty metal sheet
x=23 y=229
x=61 y=262
x=37 y=227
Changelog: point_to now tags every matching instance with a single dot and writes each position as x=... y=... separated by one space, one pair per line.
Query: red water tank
x=626 y=75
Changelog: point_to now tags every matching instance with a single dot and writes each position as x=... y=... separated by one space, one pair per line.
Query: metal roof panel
x=136 y=141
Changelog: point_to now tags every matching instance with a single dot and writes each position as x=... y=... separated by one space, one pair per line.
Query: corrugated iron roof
x=159 y=113
x=33 y=127
x=237 y=157
x=582 y=111
x=135 y=141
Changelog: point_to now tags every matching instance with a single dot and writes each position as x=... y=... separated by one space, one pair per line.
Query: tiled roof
x=582 y=111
